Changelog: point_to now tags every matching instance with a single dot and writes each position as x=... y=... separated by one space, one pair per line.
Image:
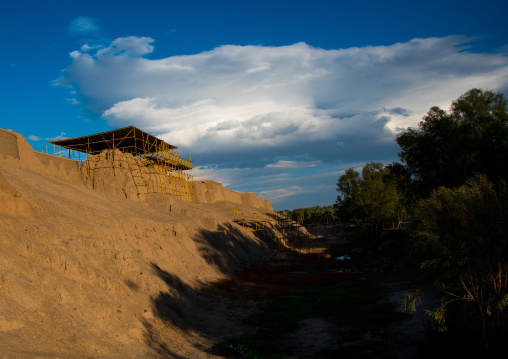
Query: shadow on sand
x=202 y=311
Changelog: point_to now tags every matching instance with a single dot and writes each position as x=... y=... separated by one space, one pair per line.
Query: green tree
x=460 y=241
x=370 y=199
x=378 y=198
x=348 y=187
x=448 y=147
x=408 y=193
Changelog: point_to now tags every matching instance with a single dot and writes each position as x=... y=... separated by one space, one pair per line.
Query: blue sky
x=275 y=97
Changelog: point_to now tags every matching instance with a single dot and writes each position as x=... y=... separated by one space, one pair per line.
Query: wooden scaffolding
x=151 y=156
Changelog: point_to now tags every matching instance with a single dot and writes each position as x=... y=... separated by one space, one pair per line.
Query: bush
x=461 y=244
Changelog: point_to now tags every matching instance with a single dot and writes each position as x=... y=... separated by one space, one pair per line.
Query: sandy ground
x=89 y=274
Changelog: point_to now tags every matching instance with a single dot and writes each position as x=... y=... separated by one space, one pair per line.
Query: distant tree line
x=313 y=215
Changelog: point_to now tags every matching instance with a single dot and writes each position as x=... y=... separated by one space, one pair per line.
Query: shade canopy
x=127 y=139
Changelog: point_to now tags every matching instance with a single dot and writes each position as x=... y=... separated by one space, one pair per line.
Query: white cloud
x=269 y=108
x=83 y=25
x=293 y=164
x=89 y=47
x=278 y=194
x=128 y=46
x=34 y=138
x=56 y=138
x=72 y=101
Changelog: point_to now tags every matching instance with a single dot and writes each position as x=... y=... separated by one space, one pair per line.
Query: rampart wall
x=8 y=144
x=65 y=164
x=207 y=191
x=16 y=151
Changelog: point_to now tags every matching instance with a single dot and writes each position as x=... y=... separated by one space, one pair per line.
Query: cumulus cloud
x=271 y=107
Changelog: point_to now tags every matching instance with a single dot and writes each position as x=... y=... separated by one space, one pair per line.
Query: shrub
x=460 y=240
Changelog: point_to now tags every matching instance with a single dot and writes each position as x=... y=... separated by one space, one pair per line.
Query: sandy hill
x=90 y=273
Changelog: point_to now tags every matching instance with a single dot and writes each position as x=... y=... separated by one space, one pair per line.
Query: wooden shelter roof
x=127 y=139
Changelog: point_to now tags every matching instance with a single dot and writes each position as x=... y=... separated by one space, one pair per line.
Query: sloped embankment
x=85 y=273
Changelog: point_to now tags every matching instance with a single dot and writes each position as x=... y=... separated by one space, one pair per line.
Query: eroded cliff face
x=93 y=273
